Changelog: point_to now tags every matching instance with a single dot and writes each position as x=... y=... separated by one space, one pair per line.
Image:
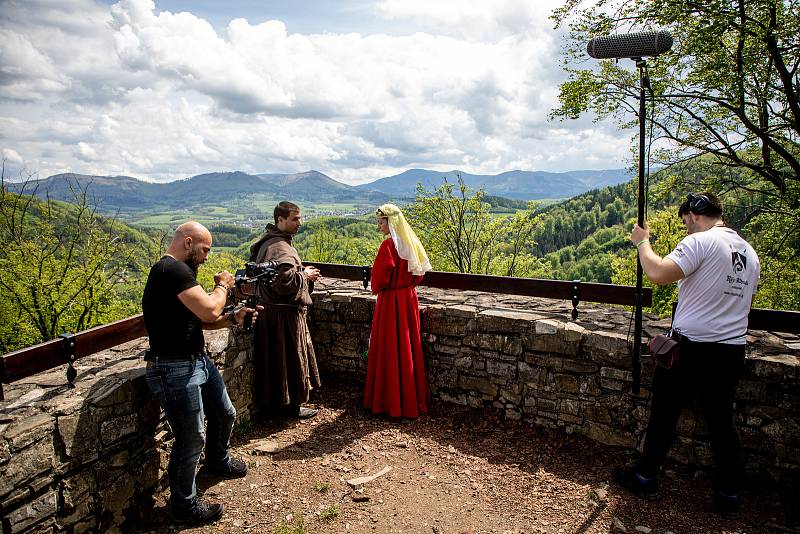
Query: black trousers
x=709 y=374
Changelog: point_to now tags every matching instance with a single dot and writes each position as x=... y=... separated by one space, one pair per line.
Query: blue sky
x=356 y=89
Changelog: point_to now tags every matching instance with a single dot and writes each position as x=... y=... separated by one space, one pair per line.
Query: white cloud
x=130 y=89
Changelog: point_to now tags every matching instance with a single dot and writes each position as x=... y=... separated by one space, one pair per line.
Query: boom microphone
x=630 y=45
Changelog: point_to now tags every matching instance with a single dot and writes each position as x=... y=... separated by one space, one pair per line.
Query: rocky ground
x=456 y=470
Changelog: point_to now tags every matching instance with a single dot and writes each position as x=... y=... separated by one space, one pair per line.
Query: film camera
x=245 y=288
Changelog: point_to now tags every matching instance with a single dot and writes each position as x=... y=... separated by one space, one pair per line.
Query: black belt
x=150 y=356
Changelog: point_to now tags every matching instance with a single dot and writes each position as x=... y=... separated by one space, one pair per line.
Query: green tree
x=728 y=89
x=725 y=108
x=59 y=266
x=460 y=234
x=666 y=231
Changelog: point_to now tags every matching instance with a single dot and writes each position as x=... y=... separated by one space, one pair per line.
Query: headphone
x=699 y=204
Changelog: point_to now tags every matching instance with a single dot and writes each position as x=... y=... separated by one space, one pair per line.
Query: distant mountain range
x=523 y=185
x=114 y=193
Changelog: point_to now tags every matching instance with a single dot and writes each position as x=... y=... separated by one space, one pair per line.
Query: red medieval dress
x=396 y=381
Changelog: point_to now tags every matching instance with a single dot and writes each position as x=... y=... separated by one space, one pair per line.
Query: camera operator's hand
x=241 y=313
x=312 y=273
x=224 y=278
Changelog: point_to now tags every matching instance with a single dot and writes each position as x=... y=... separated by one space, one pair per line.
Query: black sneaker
x=727 y=506
x=198 y=513
x=233 y=468
x=629 y=478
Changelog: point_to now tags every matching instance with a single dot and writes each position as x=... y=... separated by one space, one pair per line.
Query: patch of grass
x=243 y=427
x=330 y=513
x=298 y=527
x=322 y=487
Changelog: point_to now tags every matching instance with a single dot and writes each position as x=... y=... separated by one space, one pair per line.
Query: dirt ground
x=456 y=470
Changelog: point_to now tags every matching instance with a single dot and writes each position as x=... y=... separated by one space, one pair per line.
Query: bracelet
x=645 y=240
x=223 y=286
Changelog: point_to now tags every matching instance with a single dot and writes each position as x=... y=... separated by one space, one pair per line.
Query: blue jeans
x=189 y=391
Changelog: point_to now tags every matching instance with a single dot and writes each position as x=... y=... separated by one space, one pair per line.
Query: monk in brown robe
x=285 y=364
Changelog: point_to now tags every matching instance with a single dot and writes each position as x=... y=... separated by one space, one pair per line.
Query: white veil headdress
x=405 y=240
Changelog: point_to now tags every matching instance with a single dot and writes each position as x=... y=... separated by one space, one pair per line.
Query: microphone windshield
x=630 y=45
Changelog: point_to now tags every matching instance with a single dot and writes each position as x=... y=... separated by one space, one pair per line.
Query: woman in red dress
x=396 y=382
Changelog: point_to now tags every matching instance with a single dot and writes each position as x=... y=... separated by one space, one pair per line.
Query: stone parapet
x=527 y=359
x=91 y=458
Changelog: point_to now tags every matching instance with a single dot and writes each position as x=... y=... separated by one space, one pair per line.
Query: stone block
x=79 y=434
x=32 y=512
x=569 y=418
x=589 y=386
x=463 y=362
x=501 y=369
x=573 y=365
x=27 y=430
x=547 y=327
x=775 y=367
x=569 y=406
x=597 y=413
x=546 y=405
x=504 y=321
x=447 y=378
x=76 y=487
x=528 y=373
x=464 y=311
x=544 y=360
x=5 y=451
x=116 y=498
x=113 y=430
x=566 y=383
x=240 y=358
x=218 y=341
x=80 y=513
x=35 y=462
x=446 y=349
x=608 y=347
x=616 y=374
x=613 y=385
x=574 y=333
x=480 y=385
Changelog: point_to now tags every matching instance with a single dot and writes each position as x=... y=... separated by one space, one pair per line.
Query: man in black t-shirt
x=188 y=386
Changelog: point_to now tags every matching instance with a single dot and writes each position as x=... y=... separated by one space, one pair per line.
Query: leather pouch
x=665 y=349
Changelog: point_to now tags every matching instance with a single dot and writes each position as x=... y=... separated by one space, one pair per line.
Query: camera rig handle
x=251 y=276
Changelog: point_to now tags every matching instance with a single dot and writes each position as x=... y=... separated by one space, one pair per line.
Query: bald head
x=191 y=244
x=192 y=229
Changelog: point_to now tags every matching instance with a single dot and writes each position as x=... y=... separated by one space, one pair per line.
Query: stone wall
x=527 y=359
x=91 y=458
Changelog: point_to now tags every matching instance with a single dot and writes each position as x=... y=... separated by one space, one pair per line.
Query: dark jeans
x=709 y=373
x=190 y=391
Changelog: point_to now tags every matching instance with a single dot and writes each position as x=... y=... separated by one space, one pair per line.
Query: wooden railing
x=66 y=349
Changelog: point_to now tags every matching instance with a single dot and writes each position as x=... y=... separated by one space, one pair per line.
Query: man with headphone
x=717 y=273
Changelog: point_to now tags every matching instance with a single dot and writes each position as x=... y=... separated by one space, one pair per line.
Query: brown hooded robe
x=285 y=364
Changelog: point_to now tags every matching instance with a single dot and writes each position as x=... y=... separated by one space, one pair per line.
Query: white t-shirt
x=721 y=273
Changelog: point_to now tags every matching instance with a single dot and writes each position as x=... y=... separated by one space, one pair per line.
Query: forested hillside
x=63 y=268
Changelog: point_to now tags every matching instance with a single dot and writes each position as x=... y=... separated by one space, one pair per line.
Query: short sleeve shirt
x=173 y=329
x=721 y=272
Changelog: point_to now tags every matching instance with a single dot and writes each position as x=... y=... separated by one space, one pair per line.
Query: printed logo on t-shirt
x=678 y=252
x=738 y=261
